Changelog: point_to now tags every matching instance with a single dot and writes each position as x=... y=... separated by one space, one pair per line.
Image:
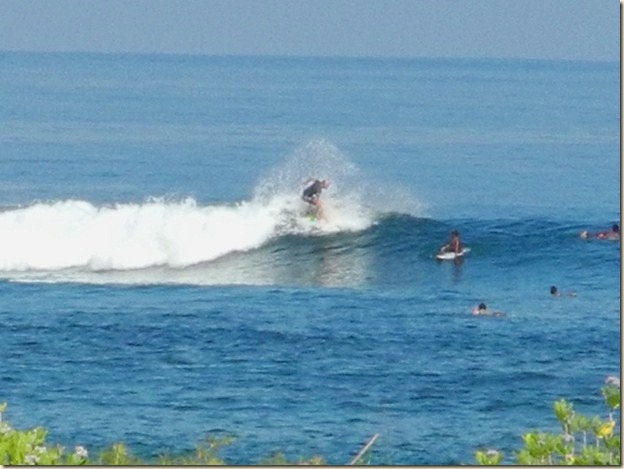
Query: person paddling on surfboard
x=454 y=244
x=482 y=310
x=613 y=233
x=555 y=292
x=312 y=193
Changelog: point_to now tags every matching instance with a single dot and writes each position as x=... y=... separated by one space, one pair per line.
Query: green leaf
x=563 y=410
x=612 y=396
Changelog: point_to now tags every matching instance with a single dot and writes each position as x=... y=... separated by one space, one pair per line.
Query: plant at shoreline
x=206 y=454
x=28 y=447
x=582 y=441
x=278 y=459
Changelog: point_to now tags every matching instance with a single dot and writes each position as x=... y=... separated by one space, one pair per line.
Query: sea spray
x=355 y=198
x=78 y=234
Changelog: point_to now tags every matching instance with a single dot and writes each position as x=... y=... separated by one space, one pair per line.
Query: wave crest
x=76 y=234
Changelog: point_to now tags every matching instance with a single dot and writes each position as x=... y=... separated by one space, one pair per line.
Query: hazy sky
x=542 y=29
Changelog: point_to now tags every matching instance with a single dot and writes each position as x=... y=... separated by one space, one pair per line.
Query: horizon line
x=306 y=56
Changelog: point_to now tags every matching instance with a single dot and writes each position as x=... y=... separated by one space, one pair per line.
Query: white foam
x=76 y=233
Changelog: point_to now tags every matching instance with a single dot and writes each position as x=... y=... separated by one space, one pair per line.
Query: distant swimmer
x=482 y=310
x=555 y=292
x=613 y=233
x=312 y=193
x=454 y=244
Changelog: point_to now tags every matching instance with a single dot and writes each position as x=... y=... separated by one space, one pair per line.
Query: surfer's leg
x=311 y=208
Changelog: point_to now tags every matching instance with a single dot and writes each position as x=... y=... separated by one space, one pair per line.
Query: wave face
x=373 y=235
x=162 y=240
x=76 y=233
x=261 y=242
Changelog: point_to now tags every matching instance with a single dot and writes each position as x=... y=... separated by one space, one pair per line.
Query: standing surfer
x=312 y=193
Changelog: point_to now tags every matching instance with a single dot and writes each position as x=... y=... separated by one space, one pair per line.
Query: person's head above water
x=615 y=228
x=481 y=307
x=553 y=290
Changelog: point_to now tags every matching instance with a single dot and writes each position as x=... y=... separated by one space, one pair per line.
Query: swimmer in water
x=555 y=292
x=482 y=310
x=613 y=233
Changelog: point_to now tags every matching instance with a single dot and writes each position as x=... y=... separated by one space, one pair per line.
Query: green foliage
x=206 y=454
x=278 y=459
x=611 y=395
x=28 y=447
x=117 y=455
x=488 y=458
x=582 y=441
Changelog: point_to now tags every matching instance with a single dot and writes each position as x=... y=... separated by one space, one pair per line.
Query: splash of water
x=74 y=234
x=353 y=200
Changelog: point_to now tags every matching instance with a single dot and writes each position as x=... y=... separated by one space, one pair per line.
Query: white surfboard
x=449 y=256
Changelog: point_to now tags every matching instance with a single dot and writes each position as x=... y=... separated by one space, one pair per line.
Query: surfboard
x=449 y=256
x=311 y=216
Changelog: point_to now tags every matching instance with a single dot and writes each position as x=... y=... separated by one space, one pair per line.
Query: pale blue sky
x=538 y=29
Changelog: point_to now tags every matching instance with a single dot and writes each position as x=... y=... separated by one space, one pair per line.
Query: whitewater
x=79 y=236
x=74 y=233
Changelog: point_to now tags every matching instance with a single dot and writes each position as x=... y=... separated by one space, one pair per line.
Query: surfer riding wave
x=312 y=193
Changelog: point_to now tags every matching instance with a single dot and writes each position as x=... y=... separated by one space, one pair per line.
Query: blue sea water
x=160 y=284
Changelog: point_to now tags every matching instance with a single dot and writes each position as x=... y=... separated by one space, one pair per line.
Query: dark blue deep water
x=160 y=284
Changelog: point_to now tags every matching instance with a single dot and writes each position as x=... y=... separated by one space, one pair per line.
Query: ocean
x=160 y=283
